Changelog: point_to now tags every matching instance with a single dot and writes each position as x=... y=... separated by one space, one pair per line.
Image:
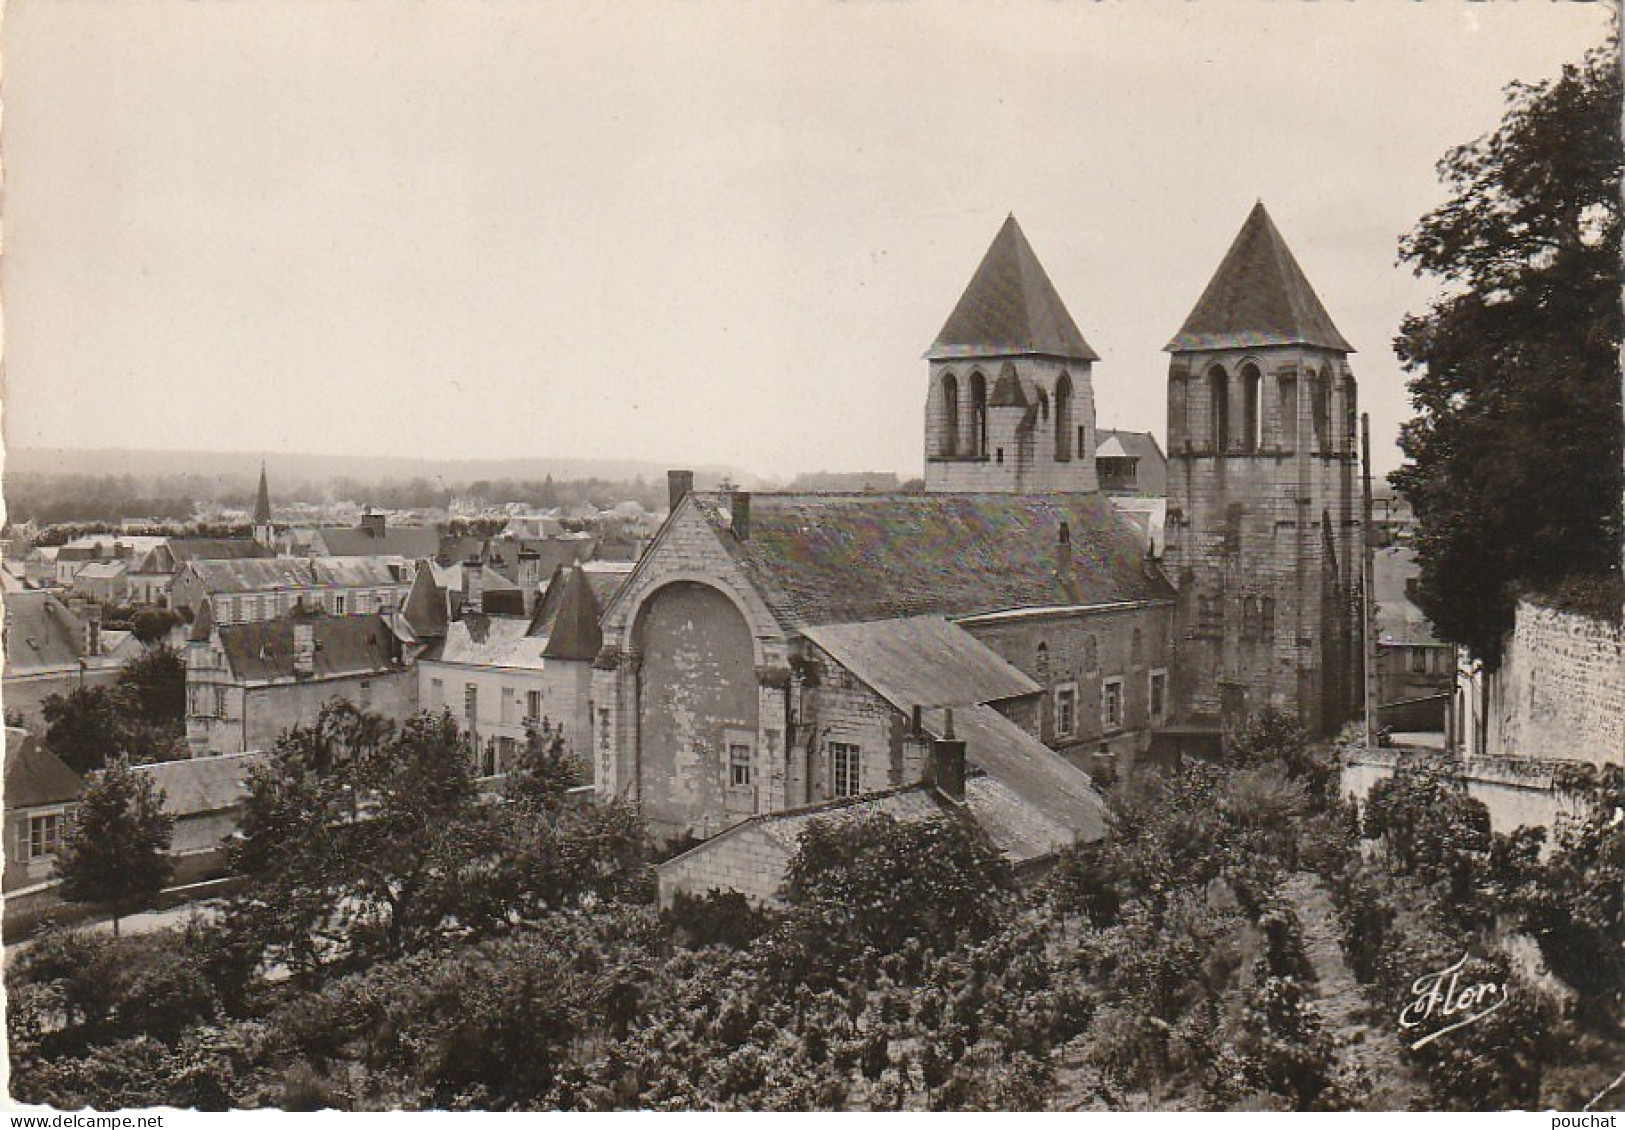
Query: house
x=1130 y=463
x=51 y=648
x=254 y=589
x=205 y=796
x=248 y=682
x=502 y=674
x=153 y=574
x=372 y=536
x=105 y=582
x=1027 y=821
x=41 y=797
x=1415 y=670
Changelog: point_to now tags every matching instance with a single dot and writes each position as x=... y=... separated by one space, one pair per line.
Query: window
x=194 y=701
x=1287 y=411
x=1219 y=390
x=366 y=694
x=1111 y=705
x=1043 y=662
x=437 y=693
x=1159 y=697
x=978 y=414
x=1063 y=421
x=1419 y=661
x=845 y=769
x=533 y=706
x=471 y=701
x=509 y=705
x=1251 y=382
x=950 y=415
x=338 y=604
x=219 y=702
x=1066 y=710
x=45 y=834
x=739 y=766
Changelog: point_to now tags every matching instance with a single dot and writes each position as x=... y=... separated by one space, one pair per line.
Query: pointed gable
x=1258 y=296
x=1010 y=308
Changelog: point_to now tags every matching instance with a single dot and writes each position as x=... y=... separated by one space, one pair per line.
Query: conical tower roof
x=1258 y=296
x=568 y=616
x=1010 y=308
x=262 y=502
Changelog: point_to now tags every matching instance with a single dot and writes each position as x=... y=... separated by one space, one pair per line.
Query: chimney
x=530 y=577
x=473 y=585
x=948 y=763
x=373 y=523
x=916 y=723
x=678 y=486
x=304 y=648
x=741 y=514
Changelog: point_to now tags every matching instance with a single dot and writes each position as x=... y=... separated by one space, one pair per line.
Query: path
x=1370 y=1049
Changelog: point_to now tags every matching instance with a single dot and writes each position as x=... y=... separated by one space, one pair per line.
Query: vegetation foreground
x=1244 y=940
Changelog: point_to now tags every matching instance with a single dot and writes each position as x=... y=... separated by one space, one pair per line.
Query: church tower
x=1011 y=406
x=1263 y=528
x=264 y=532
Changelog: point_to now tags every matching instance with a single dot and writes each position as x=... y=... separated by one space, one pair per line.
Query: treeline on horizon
x=48 y=498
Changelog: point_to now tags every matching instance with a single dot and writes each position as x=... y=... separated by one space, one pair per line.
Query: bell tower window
x=1219 y=388
x=950 y=415
x=1251 y=379
x=978 y=411
x=1063 y=419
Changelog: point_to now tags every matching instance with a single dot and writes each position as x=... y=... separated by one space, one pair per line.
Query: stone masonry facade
x=1560 y=693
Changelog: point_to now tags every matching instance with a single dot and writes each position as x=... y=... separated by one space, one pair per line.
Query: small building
x=105 y=582
x=1415 y=670
x=1028 y=807
x=247 y=683
x=373 y=536
x=205 y=796
x=1130 y=463
x=42 y=795
x=51 y=648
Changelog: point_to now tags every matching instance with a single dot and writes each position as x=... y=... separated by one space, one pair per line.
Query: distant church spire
x=263 y=530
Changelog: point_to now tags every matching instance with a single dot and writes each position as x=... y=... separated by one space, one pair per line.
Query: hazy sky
x=689 y=232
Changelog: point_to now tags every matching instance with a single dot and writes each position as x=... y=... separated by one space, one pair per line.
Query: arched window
x=1063 y=419
x=1219 y=388
x=1043 y=405
x=1286 y=409
x=1043 y=661
x=978 y=413
x=950 y=415
x=1251 y=379
x=1320 y=409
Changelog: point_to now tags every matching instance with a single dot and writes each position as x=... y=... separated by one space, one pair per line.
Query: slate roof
x=841 y=558
x=254 y=574
x=355 y=572
x=40 y=633
x=425 y=605
x=345 y=645
x=395 y=541
x=568 y=617
x=102 y=571
x=1040 y=777
x=922 y=661
x=34 y=775
x=606 y=579
x=198 y=785
x=492 y=641
x=1151 y=472
x=262 y=500
x=1258 y=296
x=217 y=549
x=1010 y=308
x=1399 y=621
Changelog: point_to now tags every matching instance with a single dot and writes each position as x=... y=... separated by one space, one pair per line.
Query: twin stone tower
x=1263 y=527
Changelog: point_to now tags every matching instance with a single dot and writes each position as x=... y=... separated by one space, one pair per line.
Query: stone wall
x=744 y=859
x=1014 y=459
x=1560 y=692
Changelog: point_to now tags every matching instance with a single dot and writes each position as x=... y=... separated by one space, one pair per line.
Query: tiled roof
x=922 y=661
x=1010 y=308
x=1258 y=296
x=40 y=633
x=345 y=645
x=197 y=785
x=840 y=558
x=394 y=541
x=1041 y=778
x=34 y=775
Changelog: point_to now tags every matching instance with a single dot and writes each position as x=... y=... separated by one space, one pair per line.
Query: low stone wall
x=1560 y=694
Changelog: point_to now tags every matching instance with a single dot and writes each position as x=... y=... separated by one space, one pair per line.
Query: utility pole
x=1366 y=642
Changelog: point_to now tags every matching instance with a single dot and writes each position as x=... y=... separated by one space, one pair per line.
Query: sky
x=696 y=232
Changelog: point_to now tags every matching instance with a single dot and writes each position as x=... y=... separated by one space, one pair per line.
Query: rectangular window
x=1111 y=704
x=437 y=693
x=338 y=604
x=1159 y=697
x=366 y=695
x=508 y=706
x=44 y=834
x=739 y=766
x=533 y=706
x=1419 y=661
x=845 y=769
x=219 y=702
x=471 y=701
x=1066 y=710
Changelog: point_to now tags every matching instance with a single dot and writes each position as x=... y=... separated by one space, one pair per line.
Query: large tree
x=116 y=850
x=1513 y=459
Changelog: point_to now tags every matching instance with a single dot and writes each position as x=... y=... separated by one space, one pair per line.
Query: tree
x=152 y=625
x=1513 y=459
x=152 y=686
x=115 y=852
x=84 y=727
